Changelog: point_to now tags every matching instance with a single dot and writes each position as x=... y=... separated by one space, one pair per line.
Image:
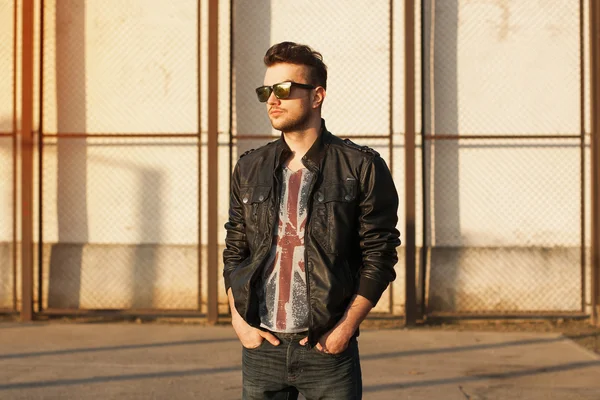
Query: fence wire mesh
x=504 y=226
x=357 y=52
x=503 y=214
x=120 y=206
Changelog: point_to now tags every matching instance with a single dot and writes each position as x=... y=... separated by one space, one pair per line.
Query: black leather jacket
x=350 y=235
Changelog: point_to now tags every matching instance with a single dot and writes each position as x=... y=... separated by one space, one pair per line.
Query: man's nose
x=273 y=99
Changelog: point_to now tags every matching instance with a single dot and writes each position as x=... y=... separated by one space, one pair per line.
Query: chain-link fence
x=120 y=155
x=504 y=146
x=502 y=175
x=359 y=53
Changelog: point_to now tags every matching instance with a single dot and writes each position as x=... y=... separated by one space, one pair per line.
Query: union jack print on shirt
x=283 y=303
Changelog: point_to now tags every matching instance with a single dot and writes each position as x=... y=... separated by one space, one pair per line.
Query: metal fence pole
x=213 y=162
x=410 y=304
x=391 y=121
x=199 y=252
x=27 y=161
x=15 y=158
x=595 y=156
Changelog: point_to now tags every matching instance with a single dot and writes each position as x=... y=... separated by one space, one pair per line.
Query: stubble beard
x=291 y=125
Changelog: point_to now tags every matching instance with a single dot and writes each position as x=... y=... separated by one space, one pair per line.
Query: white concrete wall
x=503 y=68
x=505 y=214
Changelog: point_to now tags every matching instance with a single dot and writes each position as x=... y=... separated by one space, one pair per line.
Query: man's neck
x=301 y=141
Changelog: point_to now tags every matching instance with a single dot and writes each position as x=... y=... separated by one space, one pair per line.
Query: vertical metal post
x=423 y=261
x=40 y=258
x=199 y=100
x=231 y=82
x=213 y=159
x=582 y=151
x=14 y=133
x=595 y=156
x=391 y=119
x=27 y=161
x=410 y=303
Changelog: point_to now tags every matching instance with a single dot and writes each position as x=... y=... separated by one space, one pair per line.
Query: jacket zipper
x=306 y=263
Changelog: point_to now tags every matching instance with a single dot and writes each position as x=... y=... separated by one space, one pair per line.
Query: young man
x=311 y=241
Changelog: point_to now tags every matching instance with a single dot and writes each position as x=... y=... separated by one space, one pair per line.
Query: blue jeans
x=283 y=371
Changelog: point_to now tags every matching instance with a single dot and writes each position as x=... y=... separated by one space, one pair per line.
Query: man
x=311 y=241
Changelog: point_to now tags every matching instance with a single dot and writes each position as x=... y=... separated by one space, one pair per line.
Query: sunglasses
x=282 y=90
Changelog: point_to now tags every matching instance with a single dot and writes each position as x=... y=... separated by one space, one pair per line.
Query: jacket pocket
x=333 y=214
x=255 y=203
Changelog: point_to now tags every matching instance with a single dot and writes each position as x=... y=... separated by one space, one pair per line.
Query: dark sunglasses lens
x=282 y=90
x=263 y=93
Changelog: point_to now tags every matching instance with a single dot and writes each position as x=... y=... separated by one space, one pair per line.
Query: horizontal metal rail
x=460 y=137
x=130 y=312
x=273 y=137
x=119 y=135
x=485 y=315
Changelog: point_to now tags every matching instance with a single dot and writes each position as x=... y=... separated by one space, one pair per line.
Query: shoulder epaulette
x=364 y=149
x=247 y=152
x=251 y=150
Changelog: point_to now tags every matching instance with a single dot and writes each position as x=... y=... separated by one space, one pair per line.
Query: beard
x=296 y=123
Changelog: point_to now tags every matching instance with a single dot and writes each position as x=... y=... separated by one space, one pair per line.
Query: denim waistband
x=288 y=337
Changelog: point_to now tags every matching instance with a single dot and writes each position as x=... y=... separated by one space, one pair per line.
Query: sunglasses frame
x=272 y=89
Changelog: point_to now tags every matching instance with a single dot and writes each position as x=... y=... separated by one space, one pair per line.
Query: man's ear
x=319 y=97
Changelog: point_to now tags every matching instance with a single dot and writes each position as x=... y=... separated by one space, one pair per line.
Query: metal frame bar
x=79 y=135
x=424 y=253
x=498 y=137
x=272 y=137
x=40 y=277
x=15 y=150
x=199 y=136
x=582 y=151
x=410 y=303
x=213 y=160
x=391 y=121
x=27 y=161
x=594 y=21
x=231 y=83
x=120 y=312
x=493 y=315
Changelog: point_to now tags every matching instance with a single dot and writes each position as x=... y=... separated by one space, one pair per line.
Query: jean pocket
x=257 y=347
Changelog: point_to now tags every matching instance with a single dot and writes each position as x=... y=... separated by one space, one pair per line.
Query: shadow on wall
x=67 y=254
x=252 y=38
x=146 y=255
x=441 y=157
x=72 y=253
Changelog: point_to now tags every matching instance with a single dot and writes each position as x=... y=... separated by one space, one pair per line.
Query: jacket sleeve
x=236 y=245
x=377 y=229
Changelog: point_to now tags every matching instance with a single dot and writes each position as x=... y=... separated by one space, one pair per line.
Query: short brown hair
x=299 y=54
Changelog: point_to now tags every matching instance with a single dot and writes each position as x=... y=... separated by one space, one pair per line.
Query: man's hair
x=299 y=54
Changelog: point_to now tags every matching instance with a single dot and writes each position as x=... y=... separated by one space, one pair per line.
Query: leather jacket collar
x=313 y=157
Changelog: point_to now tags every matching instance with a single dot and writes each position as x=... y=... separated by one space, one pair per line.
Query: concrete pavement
x=178 y=361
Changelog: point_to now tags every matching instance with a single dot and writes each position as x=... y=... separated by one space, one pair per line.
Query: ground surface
x=184 y=359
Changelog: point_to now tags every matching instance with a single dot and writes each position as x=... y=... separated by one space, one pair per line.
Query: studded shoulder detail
x=364 y=149
x=247 y=152
x=251 y=150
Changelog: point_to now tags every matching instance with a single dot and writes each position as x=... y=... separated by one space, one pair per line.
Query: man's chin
x=278 y=125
